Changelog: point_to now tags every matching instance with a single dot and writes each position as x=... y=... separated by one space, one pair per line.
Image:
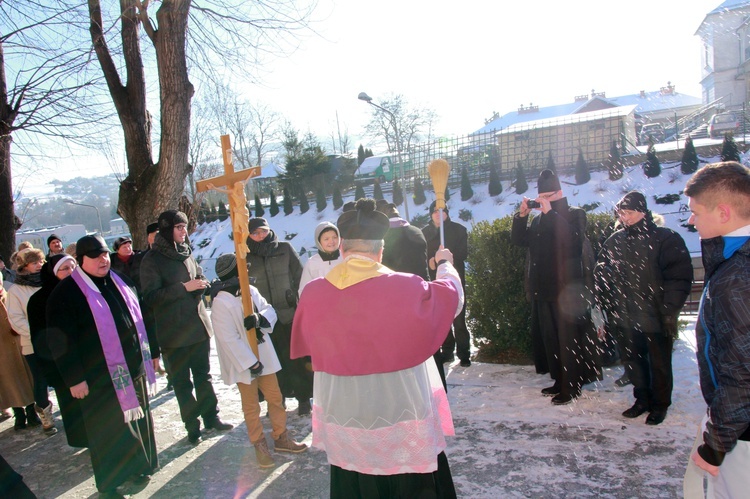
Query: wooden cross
x=235 y=190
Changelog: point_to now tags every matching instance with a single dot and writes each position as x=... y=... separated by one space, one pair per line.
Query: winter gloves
x=257 y=321
x=256 y=369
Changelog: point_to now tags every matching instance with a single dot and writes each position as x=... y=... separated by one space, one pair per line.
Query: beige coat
x=15 y=377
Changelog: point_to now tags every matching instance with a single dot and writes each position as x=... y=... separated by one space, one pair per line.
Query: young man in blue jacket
x=720 y=205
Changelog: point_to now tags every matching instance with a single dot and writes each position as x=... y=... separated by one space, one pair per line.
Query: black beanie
x=548 y=182
x=151 y=228
x=52 y=237
x=226 y=266
x=167 y=221
x=633 y=200
x=433 y=209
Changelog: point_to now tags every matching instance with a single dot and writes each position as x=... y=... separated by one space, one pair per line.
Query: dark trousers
x=563 y=344
x=347 y=484
x=296 y=376
x=180 y=363
x=458 y=337
x=41 y=390
x=648 y=363
x=537 y=340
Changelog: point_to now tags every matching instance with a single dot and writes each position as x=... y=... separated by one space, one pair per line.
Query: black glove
x=669 y=326
x=256 y=370
x=257 y=321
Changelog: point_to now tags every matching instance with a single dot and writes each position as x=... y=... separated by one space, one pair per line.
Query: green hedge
x=497 y=313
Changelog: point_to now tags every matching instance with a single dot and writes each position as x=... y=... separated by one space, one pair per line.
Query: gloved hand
x=257 y=321
x=669 y=326
x=256 y=370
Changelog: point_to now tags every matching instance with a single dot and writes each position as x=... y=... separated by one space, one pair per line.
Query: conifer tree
x=222 y=211
x=582 y=170
x=521 y=184
x=360 y=155
x=447 y=193
x=398 y=194
x=338 y=201
x=418 y=196
x=614 y=162
x=320 y=199
x=496 y=186
x=377 y=191
x=729 y=150
x=551 y=163
x=652 y=166
x=690 y=160
x=359 y=192
x=466 y=191
x=274 y=208
x=304 y=205
x=259 y=211
x=288 y=203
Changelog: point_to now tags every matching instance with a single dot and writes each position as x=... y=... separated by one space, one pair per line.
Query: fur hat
x=120 y=241
x=226 y=266
x=27 y=256
x=364 y=222
x=257 y=223
x=548 y=182
x=53 y=237
x=167 y=221
x=633 y=200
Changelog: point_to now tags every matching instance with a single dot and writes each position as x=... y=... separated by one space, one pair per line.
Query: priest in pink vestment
x=380 y=411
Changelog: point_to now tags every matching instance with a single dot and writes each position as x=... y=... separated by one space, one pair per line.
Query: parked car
x=651 y=131
x=383 y=168
x=722 y=123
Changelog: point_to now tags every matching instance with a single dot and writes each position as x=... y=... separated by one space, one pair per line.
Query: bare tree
x=45 y=93
x=410 y=121
x=225 y=30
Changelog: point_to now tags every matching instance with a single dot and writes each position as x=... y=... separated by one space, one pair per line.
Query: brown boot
x=262 y=454
x=286 y=444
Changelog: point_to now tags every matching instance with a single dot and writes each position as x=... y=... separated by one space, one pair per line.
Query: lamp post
x=363 y=96
x=70 y=201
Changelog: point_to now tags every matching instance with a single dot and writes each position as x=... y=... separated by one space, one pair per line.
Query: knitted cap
x=633 y=200
x=433 y=209
x=548 y=182
x=256 y=223
x=53 y=237
x=226 y=266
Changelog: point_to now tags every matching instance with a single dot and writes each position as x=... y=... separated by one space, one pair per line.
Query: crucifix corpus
x=232 y=184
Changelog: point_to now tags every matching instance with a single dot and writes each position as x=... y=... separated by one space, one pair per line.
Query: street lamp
x=363 y=96
x=70 y=201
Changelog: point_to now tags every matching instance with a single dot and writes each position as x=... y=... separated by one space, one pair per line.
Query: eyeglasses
x=67 y=268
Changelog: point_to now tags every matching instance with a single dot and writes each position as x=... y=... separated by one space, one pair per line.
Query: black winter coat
x=181 y=317
x=554 y=241
x=405 y=250
x=644 y=275
x=277 y=270
x=456 y=240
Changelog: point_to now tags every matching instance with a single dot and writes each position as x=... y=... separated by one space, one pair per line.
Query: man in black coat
x=404 y=246
x=456 y=240
x=645 y=274
x=173 y=286
x=556 y=285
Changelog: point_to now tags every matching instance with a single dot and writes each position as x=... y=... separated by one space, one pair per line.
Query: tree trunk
x=149 y=188
x=7 y=212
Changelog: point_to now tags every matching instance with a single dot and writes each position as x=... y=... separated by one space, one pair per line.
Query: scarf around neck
x=172 y=250
x=34 y=280
x=110 y=340
x=266 y=247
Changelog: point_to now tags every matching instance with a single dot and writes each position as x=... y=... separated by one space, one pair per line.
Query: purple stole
x=110 y=340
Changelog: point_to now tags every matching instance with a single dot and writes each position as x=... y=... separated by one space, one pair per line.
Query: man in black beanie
x=173 y=287
x=644 y=275
x=555 y=282
x=55 y=245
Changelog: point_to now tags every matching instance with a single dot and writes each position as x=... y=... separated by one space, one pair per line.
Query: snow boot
x=20 y=423
x=31 y=418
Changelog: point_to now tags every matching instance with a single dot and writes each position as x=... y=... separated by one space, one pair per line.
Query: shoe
x=304 y=407
x=169 y=386
x=32 y=420
x=217 y=424
x=551 y=391
x=48 y=422
x=561 y=399
x=656 y=417
x=110 y=494
x=286 y=444
x=448 y=358
x=262 y=454
x=194 y=436
x=637 y=409
x=465 y=363
x=20 y=423
x=623 y=380
x=140 y=479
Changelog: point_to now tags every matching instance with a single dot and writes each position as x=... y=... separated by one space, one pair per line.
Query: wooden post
x=234 y=183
